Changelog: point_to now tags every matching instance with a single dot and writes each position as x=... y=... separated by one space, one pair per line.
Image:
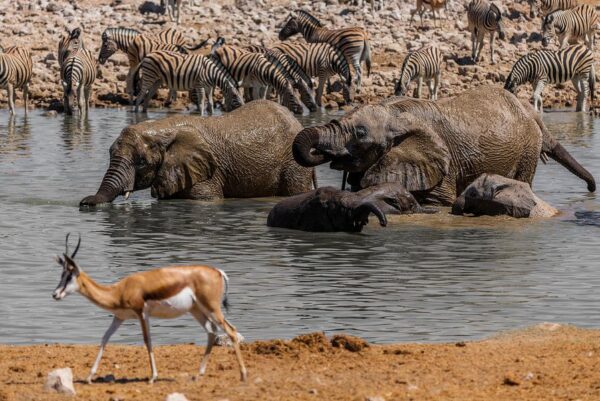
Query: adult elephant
x=436 y=149
x=245 y=153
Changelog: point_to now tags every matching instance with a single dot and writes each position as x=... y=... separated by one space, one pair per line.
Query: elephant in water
x=329 y=209
x=493 y=195
x=436 y=149
x=245 y=153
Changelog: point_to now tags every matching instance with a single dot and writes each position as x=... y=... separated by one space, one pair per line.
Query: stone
x=61 y=381
x=176 y=397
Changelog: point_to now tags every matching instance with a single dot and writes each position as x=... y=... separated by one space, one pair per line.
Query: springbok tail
x=225 y=300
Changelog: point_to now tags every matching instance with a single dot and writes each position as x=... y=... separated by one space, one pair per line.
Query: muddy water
x=432 y=278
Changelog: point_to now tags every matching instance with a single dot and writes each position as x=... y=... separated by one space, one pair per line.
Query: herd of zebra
x=288 y=69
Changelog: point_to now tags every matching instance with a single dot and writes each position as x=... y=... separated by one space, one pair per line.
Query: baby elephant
x=493 y=195
x=331 y=209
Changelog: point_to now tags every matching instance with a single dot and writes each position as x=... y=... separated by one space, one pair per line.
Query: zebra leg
x=538 y=103
x=473 y=46
x=210 y=93
x=480 y=39
x=492 y=37
x=320 y=88
x=358 y=71
x=26 y=95
x=129 y=85
x=81 y=99
x=11 y=98
x=201 y=100
x=178 y=10
x=436 y=86
x=150 y=95
x=580 y=84
x=88 y=94
x=419 y=87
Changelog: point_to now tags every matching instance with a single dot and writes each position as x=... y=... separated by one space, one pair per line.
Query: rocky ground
x=546 y=362
x=38 y=24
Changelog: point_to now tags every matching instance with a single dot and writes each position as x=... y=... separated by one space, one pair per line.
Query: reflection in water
x=17 y=134
x=423 y=278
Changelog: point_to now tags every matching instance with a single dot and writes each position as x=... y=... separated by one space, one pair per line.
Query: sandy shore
x=545 y=362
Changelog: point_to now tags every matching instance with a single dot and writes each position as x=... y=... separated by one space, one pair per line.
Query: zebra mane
x=308 y=16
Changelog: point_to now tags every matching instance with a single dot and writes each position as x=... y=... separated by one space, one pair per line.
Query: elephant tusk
x=127 y=193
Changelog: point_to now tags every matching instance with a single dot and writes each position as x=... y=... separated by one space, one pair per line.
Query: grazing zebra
x=432 y=4
x=548 y=6
x=575 y=63
x=137 y=46
x=352 y=42
x=424 y=65
x=78 y=74
x=571 y=25
x=256 y=72
x=320 y=60
x=15 y=73
x=484 y=18
x=179 y=72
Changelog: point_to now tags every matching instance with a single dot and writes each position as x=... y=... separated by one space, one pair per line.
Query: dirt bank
x=540 y=363
x=39 y=24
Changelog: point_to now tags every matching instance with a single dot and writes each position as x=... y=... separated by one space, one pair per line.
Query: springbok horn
x=67 y=244
x=76 y=248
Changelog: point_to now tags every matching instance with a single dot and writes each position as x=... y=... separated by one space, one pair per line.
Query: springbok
x=166 y=293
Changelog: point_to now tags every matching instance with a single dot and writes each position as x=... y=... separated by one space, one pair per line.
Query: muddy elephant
x=436 y=149
x=494 y=195
x=245 y=153
x=330 y=209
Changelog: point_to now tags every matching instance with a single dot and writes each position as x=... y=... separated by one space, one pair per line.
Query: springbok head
x=70 y=271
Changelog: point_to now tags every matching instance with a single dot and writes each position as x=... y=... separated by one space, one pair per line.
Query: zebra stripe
x=68 y=44
x=320 y=60
x=423 y=64
x=194 y=73
x=575 y=63
x=255 y=71
x=548 y=6
x=15 y=73
x=571 y=25
x=292 y=71
x=79 y=73
x=352 y=42
x=484 y=18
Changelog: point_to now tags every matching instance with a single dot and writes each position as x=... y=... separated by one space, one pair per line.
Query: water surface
x=433 y=278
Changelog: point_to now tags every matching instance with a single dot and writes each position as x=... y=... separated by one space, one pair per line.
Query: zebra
x=575 y=63
x=287 y=66
x=352 y=42
x=433 y=5
x=15 y=73
x=484 y=18
x=173 y=8
x=180 y=72
x=424 y=64
x=256 y=72
x=320 y=60
x=571 y=25
x=78 y=75
x=549 y=6
x=137 y=46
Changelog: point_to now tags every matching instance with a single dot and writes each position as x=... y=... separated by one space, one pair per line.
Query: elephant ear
x=419 y=158
x=187 y=160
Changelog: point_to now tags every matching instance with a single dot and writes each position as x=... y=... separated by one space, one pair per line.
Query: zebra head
x=519 y=73
x=291 y=27
x=109 y=46
x=549 y=24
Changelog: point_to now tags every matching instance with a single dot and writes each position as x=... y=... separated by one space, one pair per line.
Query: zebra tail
x=367 y=57
x=198 y=46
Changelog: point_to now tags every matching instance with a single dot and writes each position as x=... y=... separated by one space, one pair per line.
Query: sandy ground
x=545 y=362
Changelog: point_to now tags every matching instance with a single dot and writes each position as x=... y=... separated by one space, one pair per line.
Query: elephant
x=436 y=148
x=493 y=195
x=245 y=153
x=331 y=209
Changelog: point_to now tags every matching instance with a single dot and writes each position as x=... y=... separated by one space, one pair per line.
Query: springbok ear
x=419 y=158
x=59 y=260
x=187 y=160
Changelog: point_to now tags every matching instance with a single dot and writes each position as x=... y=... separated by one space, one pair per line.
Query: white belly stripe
x=174 y=306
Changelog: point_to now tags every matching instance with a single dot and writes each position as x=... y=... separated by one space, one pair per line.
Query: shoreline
x=546 y=361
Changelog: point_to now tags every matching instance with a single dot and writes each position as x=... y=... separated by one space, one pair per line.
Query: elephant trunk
x=314 y=146
x=119 y=179
x=560 y=154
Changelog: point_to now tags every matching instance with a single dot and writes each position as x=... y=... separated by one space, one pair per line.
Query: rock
x=350 y=343
x=376 y=398
x=493 y=195
x=61 y=381
x=176 y=397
